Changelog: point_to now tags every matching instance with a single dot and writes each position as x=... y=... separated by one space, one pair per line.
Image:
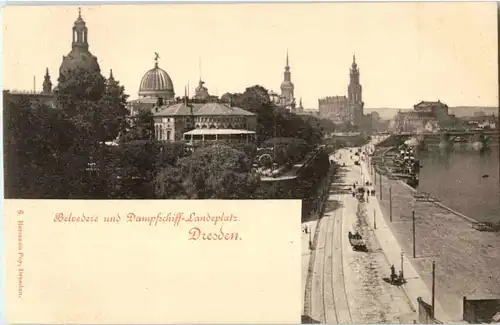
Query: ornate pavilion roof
x=202 y=109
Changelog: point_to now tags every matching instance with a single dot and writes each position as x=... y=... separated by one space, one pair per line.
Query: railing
x=23 y=92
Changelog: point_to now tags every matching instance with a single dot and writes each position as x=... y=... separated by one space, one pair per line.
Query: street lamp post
x=374 y=220
x=380 y=183
x=413 y=220
x=433 y=288
x=390 y=203
x=402 y=269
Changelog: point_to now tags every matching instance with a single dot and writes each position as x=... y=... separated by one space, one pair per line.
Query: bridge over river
x=455 y=138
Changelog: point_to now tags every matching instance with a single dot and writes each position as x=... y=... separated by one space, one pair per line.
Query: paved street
x=348 y=286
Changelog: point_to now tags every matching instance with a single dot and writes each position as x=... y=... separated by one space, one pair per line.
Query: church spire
x=287 y=66
x=354 y=66
x=287 y=86
x=47 y=83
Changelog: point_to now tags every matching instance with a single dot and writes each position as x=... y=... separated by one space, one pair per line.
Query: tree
x=256 y=99
x=169 y=184
x=36 y=138
x=327 y=125
x=287 y=150
x=130 y=170
x=292 y=125
x=218 y=172
x=113 y=110
x=141 y=127
x=169 y=153
x=97 y=109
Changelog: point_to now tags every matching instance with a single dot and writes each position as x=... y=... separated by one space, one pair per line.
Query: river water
x=456 y=179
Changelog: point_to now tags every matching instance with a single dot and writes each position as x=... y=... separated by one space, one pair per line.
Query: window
x=168 y=135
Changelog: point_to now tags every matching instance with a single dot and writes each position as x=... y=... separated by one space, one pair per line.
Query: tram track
x=333 y=303
x=342 y=296
x=329 y=308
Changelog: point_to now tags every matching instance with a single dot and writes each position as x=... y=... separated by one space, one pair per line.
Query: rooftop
x=201 y=109
x=218 y=132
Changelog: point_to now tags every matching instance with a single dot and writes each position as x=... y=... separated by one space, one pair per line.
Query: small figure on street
x=307 y=229
x=393 y=273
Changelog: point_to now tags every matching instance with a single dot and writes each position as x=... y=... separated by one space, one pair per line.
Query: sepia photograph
x=381 y=118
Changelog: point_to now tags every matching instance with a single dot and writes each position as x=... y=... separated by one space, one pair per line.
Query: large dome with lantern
x=80 y=56
x=157 y=83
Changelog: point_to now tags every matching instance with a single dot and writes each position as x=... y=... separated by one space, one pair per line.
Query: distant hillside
x=388 y=113
x=461 y=111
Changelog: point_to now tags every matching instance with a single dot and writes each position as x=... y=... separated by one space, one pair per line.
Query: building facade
x=426 y=116
x=334 y=108
x=178 y=119
x=341 y=109
x=310 y=112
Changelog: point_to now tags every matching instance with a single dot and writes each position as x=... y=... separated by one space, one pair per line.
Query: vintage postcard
x=251 y=163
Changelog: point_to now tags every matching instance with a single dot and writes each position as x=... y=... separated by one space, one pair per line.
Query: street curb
x=307 y=297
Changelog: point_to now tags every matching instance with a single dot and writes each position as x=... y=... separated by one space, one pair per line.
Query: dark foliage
x=211 y=172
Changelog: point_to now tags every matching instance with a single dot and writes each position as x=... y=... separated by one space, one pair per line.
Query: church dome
x=157 y=83
x=78 y=59
x=80 y=56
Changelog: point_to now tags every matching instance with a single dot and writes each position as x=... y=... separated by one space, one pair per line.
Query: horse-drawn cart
x=357 y=242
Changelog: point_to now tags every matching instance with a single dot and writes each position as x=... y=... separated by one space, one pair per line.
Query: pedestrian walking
x=393 y=273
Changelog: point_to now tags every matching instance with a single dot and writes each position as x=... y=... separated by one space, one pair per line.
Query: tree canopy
x=274 y=122
x=211 y=172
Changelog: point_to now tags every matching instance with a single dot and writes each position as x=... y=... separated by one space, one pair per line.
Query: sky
x=406 y=52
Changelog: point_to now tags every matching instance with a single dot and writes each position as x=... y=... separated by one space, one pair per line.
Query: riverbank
x=467 y=261
x=390 y=244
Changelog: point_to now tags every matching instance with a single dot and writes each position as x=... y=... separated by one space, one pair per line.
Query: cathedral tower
x=355 y=99
x=287 y=86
